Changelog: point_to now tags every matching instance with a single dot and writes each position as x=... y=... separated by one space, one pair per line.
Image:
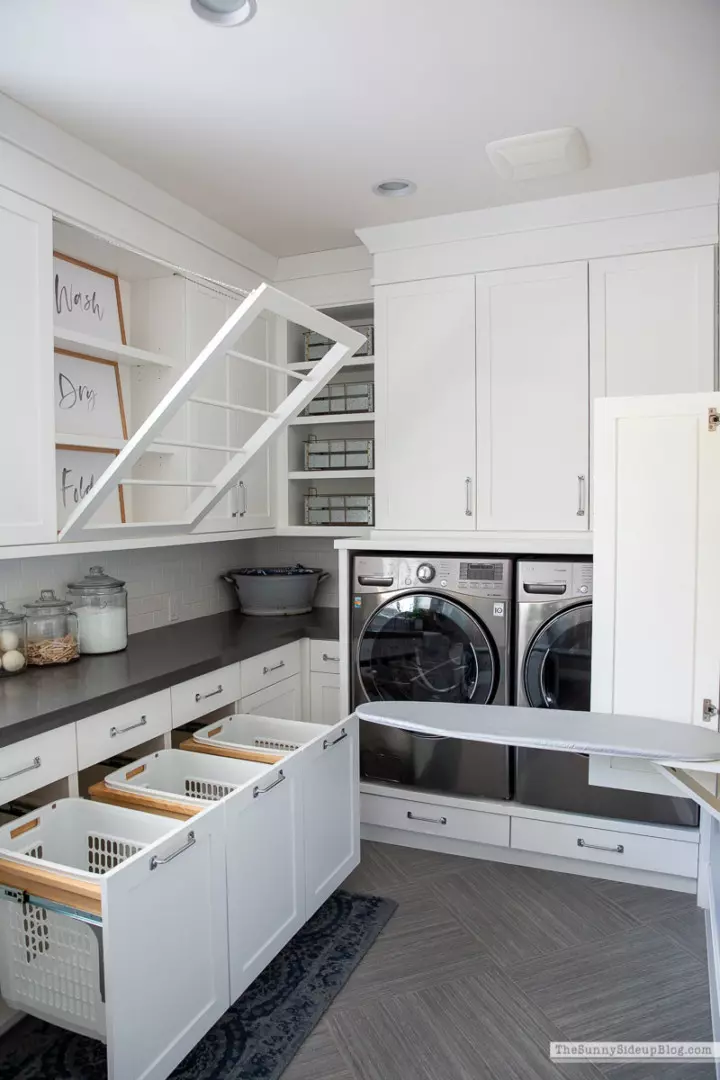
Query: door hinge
x=710 y=710
x=713 y=419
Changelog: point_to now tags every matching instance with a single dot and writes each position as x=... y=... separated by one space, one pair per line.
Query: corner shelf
x=89 y=345
x=331 y=474
x=336 y=418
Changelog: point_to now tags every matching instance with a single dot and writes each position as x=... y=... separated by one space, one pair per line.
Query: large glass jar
x=52 y=630
x=100 y=602
x=12 y=642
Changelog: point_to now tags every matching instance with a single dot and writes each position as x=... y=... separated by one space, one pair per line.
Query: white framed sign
x=77 y=469
x=87 y=299
x=88 y=396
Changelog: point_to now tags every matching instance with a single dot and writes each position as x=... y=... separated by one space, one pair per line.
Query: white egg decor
x=13 y=658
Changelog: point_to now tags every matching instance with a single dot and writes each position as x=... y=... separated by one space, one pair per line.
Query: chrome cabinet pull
x=468 y=496
x=432 y=820
x=121 y=730
x=327 y=743
x=330 y=659
x=243 y=512
x=161 y=860
x=617 y=848
x=28 y=768
x=582 y=496
x=264 y=790
x=213 y=693
x=276 y=667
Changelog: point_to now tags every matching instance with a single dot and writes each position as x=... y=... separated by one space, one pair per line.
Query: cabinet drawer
x=325 y=656
x=198 y=697
x=35 y=762
x=270 y=667
x=112 y=732
x=437 y=820
x=606 y=846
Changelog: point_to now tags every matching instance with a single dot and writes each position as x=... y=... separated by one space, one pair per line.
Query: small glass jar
x=12 y=642
x=100 y=602
x=52 y=630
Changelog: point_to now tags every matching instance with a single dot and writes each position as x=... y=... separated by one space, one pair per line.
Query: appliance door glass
x=421 y=647
x=557 y=663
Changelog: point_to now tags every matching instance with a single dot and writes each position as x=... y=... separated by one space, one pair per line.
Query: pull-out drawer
x=606 y=846
x=198 y=697
x=325 y=656
x=270 y=667
x=33 y=763
x=435 y=819
x=112 y=732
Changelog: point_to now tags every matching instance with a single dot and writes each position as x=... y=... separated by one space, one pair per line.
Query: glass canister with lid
x=12 y=642
x=52 y=630
x=100 y=602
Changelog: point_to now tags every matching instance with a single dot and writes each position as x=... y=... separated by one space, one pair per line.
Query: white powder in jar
x=101 y=629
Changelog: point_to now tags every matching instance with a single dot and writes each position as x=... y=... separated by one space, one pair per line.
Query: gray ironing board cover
x=660 y=741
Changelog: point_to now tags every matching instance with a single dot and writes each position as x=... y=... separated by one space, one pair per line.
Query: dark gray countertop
x=44 y=698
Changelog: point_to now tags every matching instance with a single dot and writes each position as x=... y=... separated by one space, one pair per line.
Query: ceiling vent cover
x=544 y=153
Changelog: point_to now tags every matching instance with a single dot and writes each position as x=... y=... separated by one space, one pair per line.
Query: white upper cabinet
x=652 y=323
x=27 y=490
x=425 y=427
x=532 y=398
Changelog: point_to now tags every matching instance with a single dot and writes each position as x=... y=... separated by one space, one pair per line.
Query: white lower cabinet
x=436 y=819
x=282 y=701
x=324 y=697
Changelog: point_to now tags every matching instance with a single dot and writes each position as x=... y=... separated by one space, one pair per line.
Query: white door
x=652 y=323
x=532 y=398
x=656 y=591
x=265 y=871
x=282 y=701
x=27 y=420
x=165 y=937
x=331 y=811
x=324 y=697
x=425 y=404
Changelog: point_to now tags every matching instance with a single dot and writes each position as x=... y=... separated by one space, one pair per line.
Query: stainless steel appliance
x=553 y=634
x=432 y=629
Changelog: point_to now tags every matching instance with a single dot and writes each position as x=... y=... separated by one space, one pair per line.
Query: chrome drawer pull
x=121 y=730
x=330 y=659
x=264 y=790
x=161 y=860
x=619 y=849
x=432 y=820
x=267 y=670
x=327 y=743
x=28 y=768
x=581 y=496
x=468 y=496
x=201 y=697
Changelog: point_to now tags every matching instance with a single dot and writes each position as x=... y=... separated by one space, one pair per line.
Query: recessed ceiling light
x=225 y=12
x=394 y=189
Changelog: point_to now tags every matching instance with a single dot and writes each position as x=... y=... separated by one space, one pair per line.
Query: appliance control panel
x=554 y=580
x=475 y=576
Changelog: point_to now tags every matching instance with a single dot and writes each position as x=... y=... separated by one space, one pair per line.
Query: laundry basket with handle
x=191 y=779
x=258 y=733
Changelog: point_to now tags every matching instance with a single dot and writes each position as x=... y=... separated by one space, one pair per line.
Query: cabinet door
x=656 y=594
x=532 y=398
x=331 y=811
x=27 y=421
x=652 y=323
x=324 y=697
x=265 y=871
x=283 y=700
x=425 y=427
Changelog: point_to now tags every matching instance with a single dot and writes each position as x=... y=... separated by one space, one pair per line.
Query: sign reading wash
x=86 y=299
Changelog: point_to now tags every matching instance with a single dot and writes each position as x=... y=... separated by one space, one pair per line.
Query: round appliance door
x=556 y=672
x=422 y=647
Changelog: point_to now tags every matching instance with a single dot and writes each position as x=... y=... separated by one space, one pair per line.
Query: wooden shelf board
x=360 y=531
x=336 y=418
x=331 y=474
x=89 y=345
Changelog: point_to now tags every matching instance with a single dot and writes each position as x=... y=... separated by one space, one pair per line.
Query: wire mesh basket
x=338 y=453
x=339 y=509
x=316 y=345
x=350 y=397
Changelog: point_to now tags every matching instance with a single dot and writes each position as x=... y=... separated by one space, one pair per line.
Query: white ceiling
x=279 y=129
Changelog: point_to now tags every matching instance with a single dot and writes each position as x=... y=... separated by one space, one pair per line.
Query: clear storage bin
x=242 y=732
x=338 y=453
x=184 y=777
x=50 y=964
x=342 y=398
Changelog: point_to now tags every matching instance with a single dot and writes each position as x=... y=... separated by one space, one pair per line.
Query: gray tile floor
x=483 y=964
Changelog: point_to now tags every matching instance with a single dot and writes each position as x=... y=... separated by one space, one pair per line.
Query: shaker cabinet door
x=27 y=481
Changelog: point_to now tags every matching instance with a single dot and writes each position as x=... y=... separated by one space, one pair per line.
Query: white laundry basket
x=49 y=962
x=263 y=733
x=185 y=777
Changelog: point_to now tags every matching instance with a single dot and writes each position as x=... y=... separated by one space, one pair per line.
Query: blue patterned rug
x=259 y=1035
